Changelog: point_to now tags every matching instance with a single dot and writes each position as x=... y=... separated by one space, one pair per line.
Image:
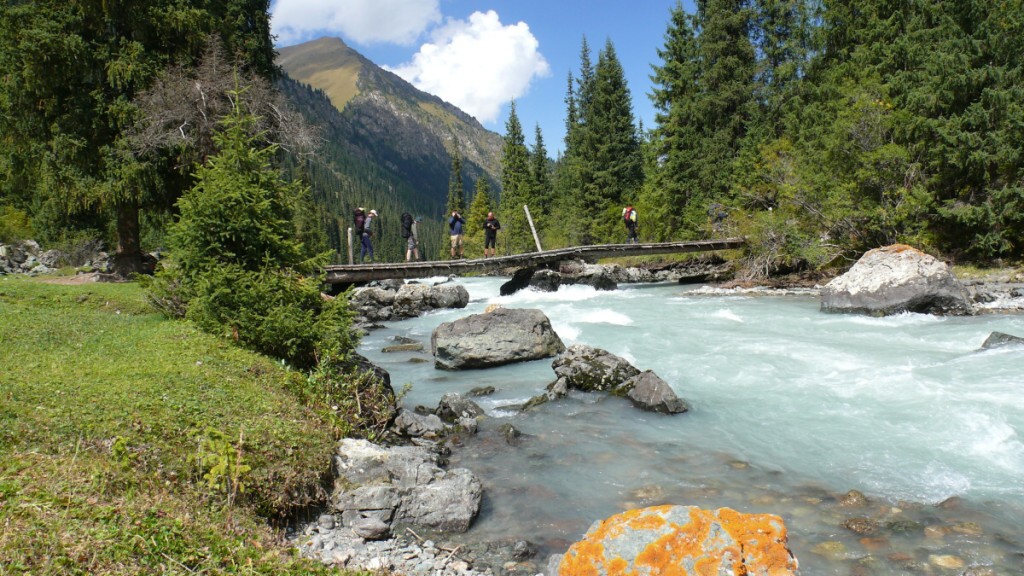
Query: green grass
x=992 y=274
x=104 y=409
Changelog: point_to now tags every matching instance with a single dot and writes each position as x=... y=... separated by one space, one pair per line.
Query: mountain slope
x=387 y=121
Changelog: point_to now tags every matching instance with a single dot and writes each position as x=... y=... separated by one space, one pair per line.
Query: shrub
x=278 y=313
x=14 y=225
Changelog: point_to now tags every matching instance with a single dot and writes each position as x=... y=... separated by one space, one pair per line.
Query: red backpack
x=359 y=219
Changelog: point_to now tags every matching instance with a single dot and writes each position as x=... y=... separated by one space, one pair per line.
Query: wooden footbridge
x=360 y=273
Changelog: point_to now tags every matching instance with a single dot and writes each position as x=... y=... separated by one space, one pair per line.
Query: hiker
x=409 y=232
x=491 y=227
x=629 y=217
x=367 y=244
x=455 y=224
x=716 y=215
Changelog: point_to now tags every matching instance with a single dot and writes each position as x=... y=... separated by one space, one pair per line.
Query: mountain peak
x=388 y=122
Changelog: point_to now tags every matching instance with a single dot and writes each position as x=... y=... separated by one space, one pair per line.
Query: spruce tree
x=515 y=187
x=456 y=191
x=236 y=267
x=704 y=94
x=542 y=194
x=482 y=204
x=615 y=157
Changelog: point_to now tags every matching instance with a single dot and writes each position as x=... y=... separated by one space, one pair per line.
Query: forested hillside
x=816 y=129
x=384 y=144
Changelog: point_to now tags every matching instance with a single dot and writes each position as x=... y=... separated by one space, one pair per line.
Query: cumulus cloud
x=477 y=64
x=362 y=21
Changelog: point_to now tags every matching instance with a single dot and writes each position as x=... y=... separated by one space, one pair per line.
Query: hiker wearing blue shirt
x=455 y=224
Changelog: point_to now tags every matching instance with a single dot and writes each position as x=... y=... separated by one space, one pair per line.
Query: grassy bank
x=133 y=444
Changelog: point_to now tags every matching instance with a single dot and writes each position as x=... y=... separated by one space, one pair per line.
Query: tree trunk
x=128 y=259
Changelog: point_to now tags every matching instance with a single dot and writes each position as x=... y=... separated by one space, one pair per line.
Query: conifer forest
x=817 y=129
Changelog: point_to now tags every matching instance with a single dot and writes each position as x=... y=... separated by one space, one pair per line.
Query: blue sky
x=482 y=54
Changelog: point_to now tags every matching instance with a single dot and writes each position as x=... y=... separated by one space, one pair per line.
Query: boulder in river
x=496 y=338
x=896 y=279
x=681 y=540
x=590 y=369
x=648 y=391
x=998 y=339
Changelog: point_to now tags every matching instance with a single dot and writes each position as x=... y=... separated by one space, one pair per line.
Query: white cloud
x=478 y=64
x=362 y=21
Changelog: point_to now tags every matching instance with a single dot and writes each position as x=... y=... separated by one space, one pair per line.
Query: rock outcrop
x=27 y=257
x=395 y=300
x=495 y=338
x=609 y=276
x=896 y=279
x=379 y=489
x=681 y=540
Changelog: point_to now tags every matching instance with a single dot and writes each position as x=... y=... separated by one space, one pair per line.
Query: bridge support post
x=351 y=254
x=533 y=229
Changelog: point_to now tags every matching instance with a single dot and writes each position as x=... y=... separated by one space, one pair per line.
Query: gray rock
x=412 y=347
x=896 y=279
x=495 y=338
x=326 y=521
x=510 y=433
x=409 y=423
x=546 y=280
x=454 y=406
x=360 y=500
x=589 y=369
x=30 y=262
x=411 y=300
x=11 y=254
x=53 y=258
x=373 y=304
x=371 y=528
x=402 y=485
x=600 y=279
x=554 y=561
x=468 y=425
x=649 y=392
x=448 y=503
x=998 y=339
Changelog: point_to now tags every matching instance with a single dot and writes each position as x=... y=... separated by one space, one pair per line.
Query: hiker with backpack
x=491 y=227
x=364 y=228
x=409 y=232
x=629 y=218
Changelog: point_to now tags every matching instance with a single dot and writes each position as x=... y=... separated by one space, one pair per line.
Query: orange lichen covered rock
x=682 y=541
